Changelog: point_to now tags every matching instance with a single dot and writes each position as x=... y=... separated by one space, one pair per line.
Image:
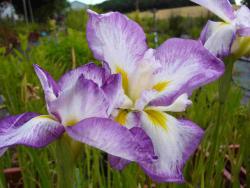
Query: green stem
x=224 y=89
x=66 y=155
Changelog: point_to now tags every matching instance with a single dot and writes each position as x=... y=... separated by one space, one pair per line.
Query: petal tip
x=36 y=67
x=92 y=13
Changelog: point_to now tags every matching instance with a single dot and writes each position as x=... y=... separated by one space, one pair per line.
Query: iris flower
x=155 y=81
x=79 y=105
x=219 y=37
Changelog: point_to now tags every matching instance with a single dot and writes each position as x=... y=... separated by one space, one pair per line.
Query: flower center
x=71 y=122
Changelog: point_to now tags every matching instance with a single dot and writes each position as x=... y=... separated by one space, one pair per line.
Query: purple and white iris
x=155 y=81
x=79 y=105
x=136 y=87
x=218 y=37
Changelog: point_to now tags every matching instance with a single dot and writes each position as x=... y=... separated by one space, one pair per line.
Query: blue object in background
x=241 y=77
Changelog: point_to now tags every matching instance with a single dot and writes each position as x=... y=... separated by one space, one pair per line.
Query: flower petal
x=50 y=87
x=145 y=98
x=117 y=162
x=106 y=135
x=36 y=132
x=242 y=17
x=186 y=65
x=115 y=39
x=242 y=21
x=15 y=121
x=221 y=8
x=85 y=99
x=90 y=71
x=244 y=32
x=174 y=141
x=113 y=91
x=106 y=67
x=218 y=38
x=141 y=78
x=179 y=105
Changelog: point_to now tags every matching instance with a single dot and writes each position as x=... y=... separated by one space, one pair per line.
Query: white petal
x=115 y=39
x=242 y=17
x=220 y=37
x=179 y=105
x=221 y=8
x=173 y=140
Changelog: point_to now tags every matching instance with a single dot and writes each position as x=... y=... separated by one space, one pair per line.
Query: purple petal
x=35 y=132
x=190 y=149
x=107 y=70
x=186 y=65
x=204 y=33
x=90 y=71
x=244 y=32
x=113 y=91
x=115 y=39
x=113 y=138
x=117 y=162
x=50 y=87
x=173 y=144
x=15 y=121
x=133 y=120
x=218 y=38
x=221 y=8
x=85 y=99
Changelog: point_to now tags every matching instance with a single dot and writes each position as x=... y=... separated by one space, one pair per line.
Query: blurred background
x=51 y=33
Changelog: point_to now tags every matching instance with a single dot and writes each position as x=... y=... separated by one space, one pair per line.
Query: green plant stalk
x=67 y=152
x=224 y=86
x=2 y=177
x=224 y=89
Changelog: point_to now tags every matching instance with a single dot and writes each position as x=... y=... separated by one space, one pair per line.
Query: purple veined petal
x=15 y=121
x=107 y=70
x=207 y=31
x=218 y=38
x=221 y=8
x=117 y=140
x=85 y=99
x=242 y=17
x=244 y=32
x=115 y=39
x=133 y=120
x=113 y=91
x=186 y=65
x=174 y=142
x=90 y=71
x=50 y=87
x=37 y=132
x=117 y=162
